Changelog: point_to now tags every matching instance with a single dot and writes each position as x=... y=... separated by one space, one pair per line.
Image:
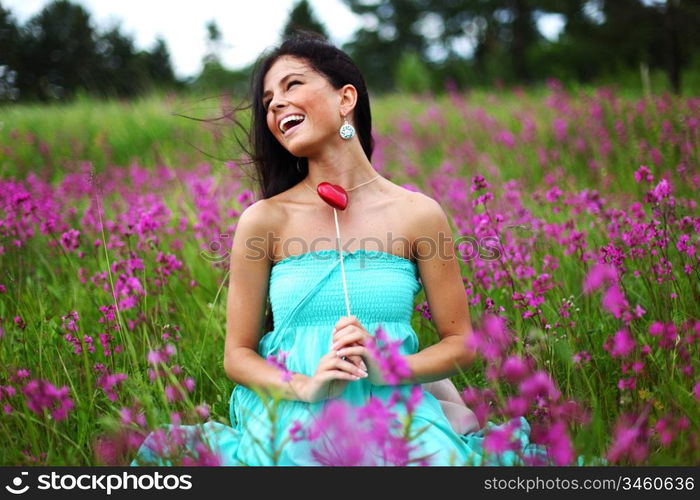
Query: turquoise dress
x=307 y=299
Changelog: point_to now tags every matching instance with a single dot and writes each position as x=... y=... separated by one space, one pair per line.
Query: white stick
x=342 y=267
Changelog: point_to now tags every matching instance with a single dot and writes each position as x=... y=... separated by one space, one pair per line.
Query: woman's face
x=292 y=88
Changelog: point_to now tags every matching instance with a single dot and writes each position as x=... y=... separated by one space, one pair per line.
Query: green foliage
x=471 y=43
x=412 y=75
x=302 y=17
x=507 y=46
x=58 y=53
x=216 y=78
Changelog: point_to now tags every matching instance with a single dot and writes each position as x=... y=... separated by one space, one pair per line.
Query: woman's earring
x=298 y=169
x=347 y=131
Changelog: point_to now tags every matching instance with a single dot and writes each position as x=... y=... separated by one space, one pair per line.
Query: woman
x=311 y=123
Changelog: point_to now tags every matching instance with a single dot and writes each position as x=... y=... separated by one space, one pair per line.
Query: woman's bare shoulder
x=421 y=207
x=259 y=222
x=260 y=214
x=425 y=218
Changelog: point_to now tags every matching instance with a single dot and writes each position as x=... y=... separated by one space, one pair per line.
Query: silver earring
x=298 y=169
x=347 y=131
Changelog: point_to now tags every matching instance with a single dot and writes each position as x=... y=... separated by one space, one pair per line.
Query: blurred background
x=51 y=51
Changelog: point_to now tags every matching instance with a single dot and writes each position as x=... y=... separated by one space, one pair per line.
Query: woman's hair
x=276 y=168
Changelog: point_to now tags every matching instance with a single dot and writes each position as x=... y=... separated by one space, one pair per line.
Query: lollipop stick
x=342 y=267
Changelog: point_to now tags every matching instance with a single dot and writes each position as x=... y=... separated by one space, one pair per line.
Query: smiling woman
x=318 y=365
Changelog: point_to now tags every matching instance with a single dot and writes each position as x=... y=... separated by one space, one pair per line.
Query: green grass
x=42 y=279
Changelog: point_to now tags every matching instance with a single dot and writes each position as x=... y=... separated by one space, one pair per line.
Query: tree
x=119 y=71
x=214 y=41
x=378 y=46
x=412 y=76
x=681 y=19
x=159 y=66
x=605 y=36
x=214 y=77
x=501 y=31
x=302 y=17
x=9 y=55
x=57 y=52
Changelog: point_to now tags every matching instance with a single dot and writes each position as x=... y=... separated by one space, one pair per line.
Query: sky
x=247 y=27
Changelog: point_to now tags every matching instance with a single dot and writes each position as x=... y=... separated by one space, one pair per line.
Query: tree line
x=419 y=45
x=58 y=53
x=598 y=38
x=412 y=45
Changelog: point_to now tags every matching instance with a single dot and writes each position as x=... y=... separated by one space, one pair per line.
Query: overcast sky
x=248 y=27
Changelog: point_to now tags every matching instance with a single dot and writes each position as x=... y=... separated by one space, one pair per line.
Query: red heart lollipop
x=333 y=194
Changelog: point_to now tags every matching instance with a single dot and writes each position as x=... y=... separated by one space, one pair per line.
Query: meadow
x=116 y=219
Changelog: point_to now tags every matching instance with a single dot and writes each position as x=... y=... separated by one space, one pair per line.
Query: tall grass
x=117 y=216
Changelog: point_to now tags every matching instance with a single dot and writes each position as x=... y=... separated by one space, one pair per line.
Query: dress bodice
x=307 y=289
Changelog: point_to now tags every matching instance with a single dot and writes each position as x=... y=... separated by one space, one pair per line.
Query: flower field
x=575 y=215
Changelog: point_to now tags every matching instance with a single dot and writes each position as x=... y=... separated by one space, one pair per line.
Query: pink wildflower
x=279 y=361
x=42 y=395
x=643 y=173
x=69 y=239
x=108 y=383
x=385 y=352
x=499 y=440
x=492 y=339
x=614 y=301
x=539 y=384
x=516 y=406
x=622 y=344
x=598 y=276
x=514 y=369
x=630 y=440
x=203 y=411
x=478 y=183
x=559 y=446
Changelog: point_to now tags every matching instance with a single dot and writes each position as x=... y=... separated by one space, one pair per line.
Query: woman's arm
x=442 y=280
x=249 y=275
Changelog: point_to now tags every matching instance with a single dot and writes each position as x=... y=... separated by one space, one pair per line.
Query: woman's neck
x=346 y=169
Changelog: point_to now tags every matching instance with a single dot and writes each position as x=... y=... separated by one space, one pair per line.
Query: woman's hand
x=349 y=340
x=330 y=379
x=354 y=359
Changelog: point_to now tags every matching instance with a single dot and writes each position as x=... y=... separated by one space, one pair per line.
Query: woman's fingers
x=345 y=321
x=338 y=374
x=337 y=334
x=354 y=355
x=327 y=358
x=357 y=361
x=346 y=324
x=356 y=350
x=349 y=338
x=350 y=368
x=331 y=361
